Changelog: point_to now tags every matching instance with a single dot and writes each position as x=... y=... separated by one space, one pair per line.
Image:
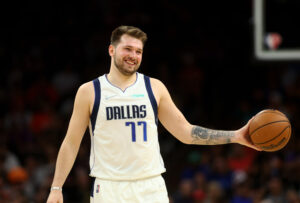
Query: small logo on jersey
x=137 y=95
x=97 y=188
x=109 y=97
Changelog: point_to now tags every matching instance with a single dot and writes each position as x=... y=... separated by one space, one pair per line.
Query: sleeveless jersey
x=123 y=129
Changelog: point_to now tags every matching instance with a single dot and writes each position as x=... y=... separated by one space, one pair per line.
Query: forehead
x=127 y=40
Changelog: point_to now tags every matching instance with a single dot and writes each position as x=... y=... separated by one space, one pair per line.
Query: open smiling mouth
x=130 y=62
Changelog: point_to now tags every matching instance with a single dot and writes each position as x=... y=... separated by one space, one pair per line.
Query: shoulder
x=159 y=89
x=86 y=88
x=156 y=83
x=85 y=94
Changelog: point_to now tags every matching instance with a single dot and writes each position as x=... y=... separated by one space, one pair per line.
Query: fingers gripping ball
x=270 y=130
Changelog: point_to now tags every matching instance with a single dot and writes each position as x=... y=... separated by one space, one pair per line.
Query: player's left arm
x=175 y=122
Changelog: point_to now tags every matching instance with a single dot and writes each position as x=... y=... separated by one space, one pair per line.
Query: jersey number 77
x=133 y=131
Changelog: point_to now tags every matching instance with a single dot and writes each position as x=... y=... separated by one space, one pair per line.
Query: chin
x=131 y=71
x=128 y=70
x=128 y=73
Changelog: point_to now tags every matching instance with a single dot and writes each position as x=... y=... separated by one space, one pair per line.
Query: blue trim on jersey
x=92 y=186
x=137 y=75
x=151 y=97
x=96 y=103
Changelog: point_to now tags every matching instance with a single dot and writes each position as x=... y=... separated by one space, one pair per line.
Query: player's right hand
x=55 y=196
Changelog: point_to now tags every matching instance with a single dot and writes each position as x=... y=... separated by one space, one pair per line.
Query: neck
x=120 y=80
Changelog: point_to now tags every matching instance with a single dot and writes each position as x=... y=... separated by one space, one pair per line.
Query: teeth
x=132 y=63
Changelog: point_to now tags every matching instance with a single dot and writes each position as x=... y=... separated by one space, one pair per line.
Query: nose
x=133 y=54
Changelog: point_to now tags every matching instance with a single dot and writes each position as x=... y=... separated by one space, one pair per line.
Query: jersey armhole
x=97 y=89
x=151 y=97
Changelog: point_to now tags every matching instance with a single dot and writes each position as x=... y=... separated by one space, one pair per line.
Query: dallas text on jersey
x=126 y=112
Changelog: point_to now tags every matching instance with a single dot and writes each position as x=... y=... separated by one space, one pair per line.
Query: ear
x=111 y=50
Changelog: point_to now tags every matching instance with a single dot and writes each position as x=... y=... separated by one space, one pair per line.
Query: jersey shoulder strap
x=151 y=96
x=97 y=89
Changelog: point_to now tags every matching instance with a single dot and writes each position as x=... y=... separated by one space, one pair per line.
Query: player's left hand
x=243 y=138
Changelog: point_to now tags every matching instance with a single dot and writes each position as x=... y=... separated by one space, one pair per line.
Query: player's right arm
x=69 y=148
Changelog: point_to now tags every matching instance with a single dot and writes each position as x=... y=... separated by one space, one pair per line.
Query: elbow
x=187 y=137
x=184 y=135
x=184 y=140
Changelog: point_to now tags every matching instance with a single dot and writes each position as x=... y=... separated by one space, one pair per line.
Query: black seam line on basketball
x=274 y=137
x=268 y=124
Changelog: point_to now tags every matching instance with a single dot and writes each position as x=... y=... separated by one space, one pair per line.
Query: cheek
x=120 y=56
x=139 y=58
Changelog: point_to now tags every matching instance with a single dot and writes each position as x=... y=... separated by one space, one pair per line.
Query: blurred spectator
x=241 y=188
x=184 y=194
x=200 y=185
x=292 y=196
x=221 y=173
x=275 y=191
x=215 y=193
x=9 y=161
x=241 y=158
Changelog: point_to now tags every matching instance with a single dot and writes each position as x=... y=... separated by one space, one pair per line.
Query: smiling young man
x=122 y=109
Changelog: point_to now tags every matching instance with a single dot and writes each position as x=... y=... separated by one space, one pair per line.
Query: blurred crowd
x=50 y=49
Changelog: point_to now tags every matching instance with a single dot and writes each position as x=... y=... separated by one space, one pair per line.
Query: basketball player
x=122 y=109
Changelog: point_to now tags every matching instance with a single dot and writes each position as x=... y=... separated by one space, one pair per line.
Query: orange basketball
x=270 y=130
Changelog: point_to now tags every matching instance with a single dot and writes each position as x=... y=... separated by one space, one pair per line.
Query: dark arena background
x=204 y=52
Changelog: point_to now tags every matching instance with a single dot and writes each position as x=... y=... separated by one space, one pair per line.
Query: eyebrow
x=133 y=47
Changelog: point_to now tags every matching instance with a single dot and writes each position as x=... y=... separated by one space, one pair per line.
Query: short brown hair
x=129 y=30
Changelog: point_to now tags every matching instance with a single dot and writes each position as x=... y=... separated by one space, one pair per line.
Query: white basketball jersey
x=123 y=128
